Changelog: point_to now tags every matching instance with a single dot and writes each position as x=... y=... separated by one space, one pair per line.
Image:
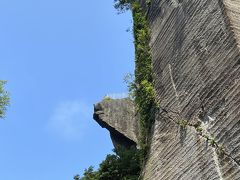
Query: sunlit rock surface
x=118 y=116
x=196 y=61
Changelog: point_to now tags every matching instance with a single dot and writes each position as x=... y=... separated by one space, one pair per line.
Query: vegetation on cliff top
x=123 y=5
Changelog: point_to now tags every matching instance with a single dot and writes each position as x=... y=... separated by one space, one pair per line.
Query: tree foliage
x=122 y=165
x=4 y=99
x=122 y=5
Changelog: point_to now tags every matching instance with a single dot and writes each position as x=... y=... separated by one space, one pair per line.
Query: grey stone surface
x=118 y=116
x=233 y=12
x=196 y=61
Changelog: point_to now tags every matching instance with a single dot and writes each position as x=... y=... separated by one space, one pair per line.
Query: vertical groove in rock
x=233 y=12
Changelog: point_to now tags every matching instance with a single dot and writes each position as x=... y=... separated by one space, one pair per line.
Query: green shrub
x=144 y=91
x=107 y=98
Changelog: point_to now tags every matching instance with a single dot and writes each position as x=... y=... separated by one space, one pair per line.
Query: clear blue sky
x=59 y=58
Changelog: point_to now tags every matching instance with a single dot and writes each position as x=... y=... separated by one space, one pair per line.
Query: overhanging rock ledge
x=118 y=117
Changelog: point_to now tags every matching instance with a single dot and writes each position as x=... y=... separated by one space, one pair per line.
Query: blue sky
x=59 y=58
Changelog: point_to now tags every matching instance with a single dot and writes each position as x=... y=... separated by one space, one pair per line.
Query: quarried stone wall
x=196 y=61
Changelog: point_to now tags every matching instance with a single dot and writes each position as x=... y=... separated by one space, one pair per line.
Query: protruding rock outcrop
x=118 y=116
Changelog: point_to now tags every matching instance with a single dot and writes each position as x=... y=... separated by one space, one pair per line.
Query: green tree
x=77 y=177
x=90 y=174
x=4 y=99
x=124 y=164
x=108 y=169
x=122 y=5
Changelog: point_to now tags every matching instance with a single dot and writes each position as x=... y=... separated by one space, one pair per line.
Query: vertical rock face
x=118 y=116
x=233 y=12
x=196 y=61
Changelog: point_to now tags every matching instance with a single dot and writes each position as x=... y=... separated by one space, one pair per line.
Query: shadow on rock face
x=118 y=117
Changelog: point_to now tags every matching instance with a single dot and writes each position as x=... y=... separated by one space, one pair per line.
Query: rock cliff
x=118 y=116
x=196 y=61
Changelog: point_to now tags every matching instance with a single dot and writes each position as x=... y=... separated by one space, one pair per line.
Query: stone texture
x=118 y=116
x=196 y=60
x=233 y=12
